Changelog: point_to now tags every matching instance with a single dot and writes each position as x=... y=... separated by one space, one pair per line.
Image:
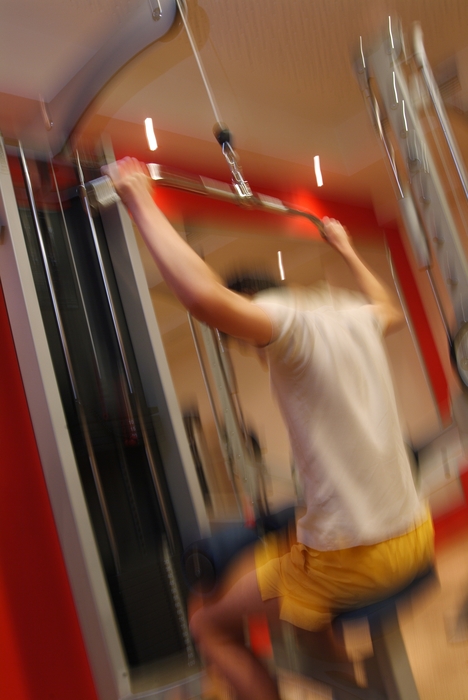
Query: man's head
x=251 y=282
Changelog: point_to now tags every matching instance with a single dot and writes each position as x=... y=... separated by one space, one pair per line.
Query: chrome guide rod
x=45 y=261
x=204 y=373
x=81 y=413
x=123 y=462
x=239 y=436
x=384 y=141
x=156 y=479
x=431 y=85
x=235 y=438
x=104 y=275
x=439 y=305
x=221 y=438
x=146 y=441
x=406 y=203
x=408 y=210
x=75 y=272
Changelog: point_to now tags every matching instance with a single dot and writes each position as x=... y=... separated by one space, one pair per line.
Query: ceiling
x=280 y=72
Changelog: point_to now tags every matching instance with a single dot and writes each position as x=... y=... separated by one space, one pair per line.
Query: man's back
x=330 y=374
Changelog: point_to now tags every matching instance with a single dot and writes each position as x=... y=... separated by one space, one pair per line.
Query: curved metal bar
x=311 y=217
x=433 y=90
x=101 y=192
x=71 y=375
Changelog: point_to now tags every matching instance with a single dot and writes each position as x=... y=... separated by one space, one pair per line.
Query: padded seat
x=376 y=611
x=388 y=671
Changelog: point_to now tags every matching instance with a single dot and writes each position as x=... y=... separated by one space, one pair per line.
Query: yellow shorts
x=314 y=585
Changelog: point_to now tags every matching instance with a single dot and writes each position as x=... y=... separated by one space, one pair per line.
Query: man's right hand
x=336 y=235
x=130 y=178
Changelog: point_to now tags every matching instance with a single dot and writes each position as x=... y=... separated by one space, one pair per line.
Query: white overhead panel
x=120 y=33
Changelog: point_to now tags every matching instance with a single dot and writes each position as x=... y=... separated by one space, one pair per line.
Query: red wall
x=42 y=653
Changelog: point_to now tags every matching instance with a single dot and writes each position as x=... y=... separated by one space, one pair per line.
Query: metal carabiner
x=241 y=185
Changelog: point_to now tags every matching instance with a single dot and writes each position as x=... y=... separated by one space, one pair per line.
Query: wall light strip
x=280 y=265
x=318 y=172
x=395 y=88
x=404 y=115
x=150 y=135
x=390 y=31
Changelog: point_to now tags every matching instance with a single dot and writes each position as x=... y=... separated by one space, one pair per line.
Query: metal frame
x=431 y=85
x=77 y=541
x=94 y=608
x=181 y=475
x=429 y=213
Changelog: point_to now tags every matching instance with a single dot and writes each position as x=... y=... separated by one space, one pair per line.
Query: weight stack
x=147 y=609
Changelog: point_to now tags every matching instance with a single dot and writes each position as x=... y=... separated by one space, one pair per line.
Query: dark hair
x=251 y=282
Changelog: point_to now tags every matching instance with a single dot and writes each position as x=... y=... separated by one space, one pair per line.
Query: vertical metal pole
x=72 y=260
x=141 y=419
x=81 y=414
x=104 y=275
x=221 y=437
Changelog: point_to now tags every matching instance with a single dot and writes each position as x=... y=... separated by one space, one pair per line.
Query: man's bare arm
x=386 y=305
x=192 y=281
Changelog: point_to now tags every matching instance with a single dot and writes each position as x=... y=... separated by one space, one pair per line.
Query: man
x=364 y=533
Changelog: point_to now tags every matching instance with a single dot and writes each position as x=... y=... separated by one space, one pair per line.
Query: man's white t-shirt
x=330 y=374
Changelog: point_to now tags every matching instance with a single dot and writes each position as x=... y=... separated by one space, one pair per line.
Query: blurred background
x=78 y=79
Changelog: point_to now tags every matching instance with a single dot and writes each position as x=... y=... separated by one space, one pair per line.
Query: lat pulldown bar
x=101 y=192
